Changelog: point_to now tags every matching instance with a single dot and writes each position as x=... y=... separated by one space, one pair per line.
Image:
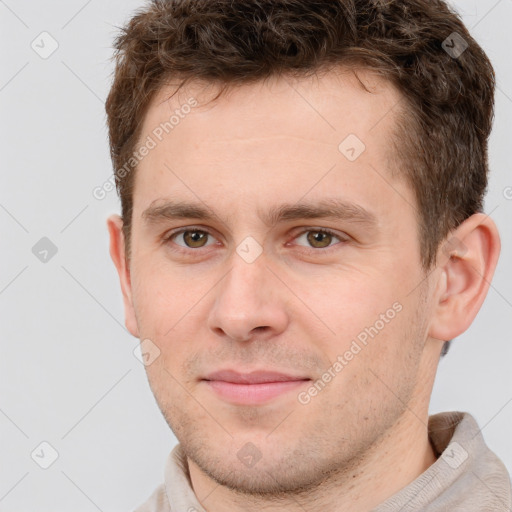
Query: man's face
x=247 y=291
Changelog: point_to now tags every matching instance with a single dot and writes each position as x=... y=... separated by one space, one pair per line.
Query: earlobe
x=118 y=255
x=467 y=260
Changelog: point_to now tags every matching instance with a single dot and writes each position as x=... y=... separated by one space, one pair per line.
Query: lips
x=256 y=377
x=252 y=388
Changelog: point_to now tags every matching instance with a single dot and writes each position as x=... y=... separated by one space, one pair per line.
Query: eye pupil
x=194 y=238
x=318 y=237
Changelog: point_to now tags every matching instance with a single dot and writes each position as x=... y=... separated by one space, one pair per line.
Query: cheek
x=372 y=331
x=372 y=378
x=160 y=297
x=170 y=313
x=352 y=302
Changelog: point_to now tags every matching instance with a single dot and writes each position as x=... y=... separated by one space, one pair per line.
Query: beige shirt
x=467 y=476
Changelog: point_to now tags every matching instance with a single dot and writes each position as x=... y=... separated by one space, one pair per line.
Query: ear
x=466 y=260
x=118 y=255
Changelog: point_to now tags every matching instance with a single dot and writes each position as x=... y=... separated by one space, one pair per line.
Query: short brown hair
x=446 y=116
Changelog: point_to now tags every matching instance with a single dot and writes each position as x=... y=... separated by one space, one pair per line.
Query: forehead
x=330 y=101
x=266 y=135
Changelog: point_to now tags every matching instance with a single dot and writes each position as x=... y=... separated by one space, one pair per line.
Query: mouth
x=252 y=388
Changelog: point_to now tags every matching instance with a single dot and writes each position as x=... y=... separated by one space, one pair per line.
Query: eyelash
x=184 y=250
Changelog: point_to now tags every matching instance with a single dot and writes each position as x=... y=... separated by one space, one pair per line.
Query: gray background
x=68 y=374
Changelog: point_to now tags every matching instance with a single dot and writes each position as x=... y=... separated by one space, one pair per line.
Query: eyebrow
x=329 y=208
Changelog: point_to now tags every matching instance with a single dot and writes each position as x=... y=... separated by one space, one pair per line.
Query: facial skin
x=298 y=305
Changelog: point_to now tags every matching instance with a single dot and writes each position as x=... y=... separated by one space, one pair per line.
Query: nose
x=249 y=302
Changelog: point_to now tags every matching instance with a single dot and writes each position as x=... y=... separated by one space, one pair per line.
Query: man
x=301 y=235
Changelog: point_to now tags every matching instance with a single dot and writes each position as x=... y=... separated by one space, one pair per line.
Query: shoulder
x=157 y=502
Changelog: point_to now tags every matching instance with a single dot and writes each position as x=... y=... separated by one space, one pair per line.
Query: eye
x=319 y=238
x=195 y=238
x=190 y=238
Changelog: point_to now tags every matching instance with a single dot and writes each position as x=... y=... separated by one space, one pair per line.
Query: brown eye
x=195 y=238
x=319 y=239
x=191 y=238
x=322 y=239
